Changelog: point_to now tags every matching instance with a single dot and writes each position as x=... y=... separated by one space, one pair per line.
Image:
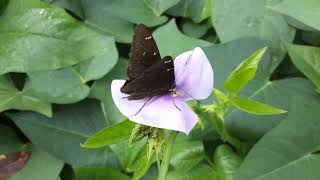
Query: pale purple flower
x=194 y=80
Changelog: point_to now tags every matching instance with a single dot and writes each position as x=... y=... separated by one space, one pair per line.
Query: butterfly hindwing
x=144 y=52
x=156 y=80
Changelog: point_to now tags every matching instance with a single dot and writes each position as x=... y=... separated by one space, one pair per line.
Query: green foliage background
x=58 y=58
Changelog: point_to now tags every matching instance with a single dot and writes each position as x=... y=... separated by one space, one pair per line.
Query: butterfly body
x=149 y=75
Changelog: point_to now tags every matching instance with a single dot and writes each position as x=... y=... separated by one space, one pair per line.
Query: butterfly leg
x=143 y=105
x=175 y=103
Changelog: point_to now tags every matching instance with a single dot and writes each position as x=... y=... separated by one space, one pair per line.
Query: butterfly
x=149 y=75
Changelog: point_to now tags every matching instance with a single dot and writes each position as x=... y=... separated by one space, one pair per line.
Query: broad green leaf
x=68 y=85
x=9 y=141
x=234 y=19
x=36 y=36
x=101 y=90
x=159 y=6
x=244 y=72
x=201 y=172
x=71 y=5
x=62 y=134
x=135 y=11
x=186 y=154
x=306 y=11
x=99 y=173
x=254 y=107
x=226 y=57
x=12 y=98
x=40 y=166
x=197 y=10
x=226 y=162
x=297 y=24
x=195 y=30
x=110 y=135
x=100 y=17
x=179 y=42
x=289 y=151
x=307 y=60
x=285 y=94
x=59 y=86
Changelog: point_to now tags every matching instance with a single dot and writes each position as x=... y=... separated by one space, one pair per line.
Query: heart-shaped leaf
x=289 y=151
x=70 y=125
x=303 y=11
x=307 y=59
x=12 y=98
x=37 y=36
x=179 y=42
x=234 y=19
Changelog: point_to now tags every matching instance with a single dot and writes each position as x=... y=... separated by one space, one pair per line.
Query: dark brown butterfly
x=149 y=75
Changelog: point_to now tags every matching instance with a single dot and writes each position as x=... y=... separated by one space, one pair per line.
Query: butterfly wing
x=144 y=52
x=156 y=80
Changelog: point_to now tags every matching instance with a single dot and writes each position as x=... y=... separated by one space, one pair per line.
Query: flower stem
x=167 y=155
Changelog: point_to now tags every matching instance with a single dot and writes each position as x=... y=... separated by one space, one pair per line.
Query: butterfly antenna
x=143 y=106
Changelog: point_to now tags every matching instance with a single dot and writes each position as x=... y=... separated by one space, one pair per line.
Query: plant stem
x=167 y=156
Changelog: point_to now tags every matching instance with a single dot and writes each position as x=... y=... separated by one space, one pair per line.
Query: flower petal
x=193 y=74
x=160 y=112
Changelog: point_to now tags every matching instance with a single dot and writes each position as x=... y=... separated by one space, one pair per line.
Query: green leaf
x=159 y=6
x=99 y=173
x=59 y=86
x=29 y=45
x=289 y=151
x=254 y=107
x=233 y=20
x=101 y=90
x=179 y=42
x=110 y=135
x=221 y=97
x=195 y=30
x=12 y=98
x=129 y=155
x=201 y=172
x=68 y=85
x=99 y=16
x=225 y=57
x=244 y=72
x=226 y=162
x=186 y=154
x=303 y=11
x=197 y=10
x=286 y=94
x=142 y=164
x=40 y=165
x=62 y=134
x=71 y=5
x=134 y=11
x=307 y=60
x=9 y=141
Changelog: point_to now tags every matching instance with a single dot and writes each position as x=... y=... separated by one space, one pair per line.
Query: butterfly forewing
x=154 y=81
x=144 y=52
x=149 y=76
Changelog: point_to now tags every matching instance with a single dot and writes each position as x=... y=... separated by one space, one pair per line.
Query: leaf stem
x=167 y=155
